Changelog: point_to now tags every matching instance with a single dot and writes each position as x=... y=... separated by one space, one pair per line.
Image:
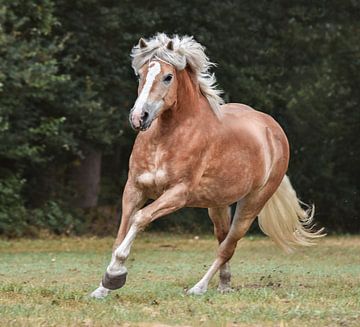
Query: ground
x=47 y=282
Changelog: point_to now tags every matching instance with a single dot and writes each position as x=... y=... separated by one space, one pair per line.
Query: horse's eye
x=168 y=78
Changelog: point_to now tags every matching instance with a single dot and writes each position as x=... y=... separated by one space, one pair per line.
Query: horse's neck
x=191 y=109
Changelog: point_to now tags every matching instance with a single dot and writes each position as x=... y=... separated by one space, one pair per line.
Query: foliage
x=32 y=133
x=66 y=86
x=12 y=209
x=16 y=220
x=51 y=217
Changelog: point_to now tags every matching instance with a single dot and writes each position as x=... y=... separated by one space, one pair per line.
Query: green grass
x=47 y=282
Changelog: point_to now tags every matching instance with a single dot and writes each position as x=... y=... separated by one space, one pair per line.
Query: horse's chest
x=154 y=180
x=154 y=168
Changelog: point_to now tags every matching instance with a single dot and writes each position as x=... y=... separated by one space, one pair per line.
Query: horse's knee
x=141 y=220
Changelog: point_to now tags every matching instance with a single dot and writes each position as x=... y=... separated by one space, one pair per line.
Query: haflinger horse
x=194 y=151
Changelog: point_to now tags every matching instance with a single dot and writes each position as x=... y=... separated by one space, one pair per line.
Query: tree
x=67 y=86
x=32 y=134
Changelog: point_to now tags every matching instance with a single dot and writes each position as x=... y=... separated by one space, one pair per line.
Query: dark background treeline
x=66 y=87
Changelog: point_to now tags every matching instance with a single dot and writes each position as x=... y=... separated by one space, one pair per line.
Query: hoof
x=100 y=293
x=113 y=282
x=196 y=290
x=225 y=289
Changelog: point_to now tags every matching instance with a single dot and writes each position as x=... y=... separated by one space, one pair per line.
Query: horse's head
x=156 y=91
x=166 y=67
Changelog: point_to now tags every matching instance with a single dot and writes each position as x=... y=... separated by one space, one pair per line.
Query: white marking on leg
x=202 y=285
x=116 y=266
x=123 y=250
x=153 y=71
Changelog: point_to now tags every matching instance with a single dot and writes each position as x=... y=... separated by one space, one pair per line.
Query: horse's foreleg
x=133 y=199
x=221 y=218
x=243 y=218
x=168 y=202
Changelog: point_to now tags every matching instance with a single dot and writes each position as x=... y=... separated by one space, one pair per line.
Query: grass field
x=47 y=282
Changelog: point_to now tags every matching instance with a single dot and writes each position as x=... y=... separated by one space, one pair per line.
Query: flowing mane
x=186 y=51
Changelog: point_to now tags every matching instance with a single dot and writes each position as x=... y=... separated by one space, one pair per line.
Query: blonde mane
x=186 y=51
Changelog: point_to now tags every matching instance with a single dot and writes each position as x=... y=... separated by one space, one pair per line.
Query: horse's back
x=248 y=120
x=238 y=112
x=239 y=107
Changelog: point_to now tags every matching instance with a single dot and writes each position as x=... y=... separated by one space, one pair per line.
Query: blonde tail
x=285 y=222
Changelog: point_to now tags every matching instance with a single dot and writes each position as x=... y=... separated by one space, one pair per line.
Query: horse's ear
x=142 y=43
x=170 y=45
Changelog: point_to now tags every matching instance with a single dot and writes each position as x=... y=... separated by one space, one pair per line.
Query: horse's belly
x=220 y=191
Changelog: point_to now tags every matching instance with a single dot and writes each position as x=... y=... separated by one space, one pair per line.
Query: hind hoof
x=225 y=289
x=113 y=282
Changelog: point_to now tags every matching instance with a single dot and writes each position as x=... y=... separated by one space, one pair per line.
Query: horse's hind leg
x=246 y=211
x=221 y=218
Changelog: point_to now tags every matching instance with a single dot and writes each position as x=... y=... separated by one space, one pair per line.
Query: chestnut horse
x=192 y=151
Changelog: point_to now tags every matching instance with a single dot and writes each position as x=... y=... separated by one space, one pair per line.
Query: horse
x=192 y=150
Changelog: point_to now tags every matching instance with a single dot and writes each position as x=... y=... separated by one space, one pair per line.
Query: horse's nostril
x=144 y=116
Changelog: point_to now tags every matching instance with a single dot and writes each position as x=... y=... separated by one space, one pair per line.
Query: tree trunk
x=87 y=180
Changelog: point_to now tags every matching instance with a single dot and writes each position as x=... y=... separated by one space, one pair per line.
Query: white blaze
x=153 y=71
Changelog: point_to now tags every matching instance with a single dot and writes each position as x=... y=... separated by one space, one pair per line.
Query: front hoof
x=100 y=293
x=196 y=290
x=113 y=282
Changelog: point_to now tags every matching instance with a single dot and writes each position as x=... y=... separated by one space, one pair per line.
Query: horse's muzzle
x=140 y=121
